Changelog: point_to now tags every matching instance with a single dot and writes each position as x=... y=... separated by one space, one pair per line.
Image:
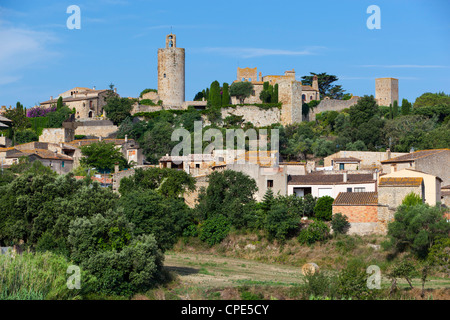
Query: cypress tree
x=275 y=93
x=225 y=94
x=395 y=109
x=59 y=103
x=214 y=94
x=406 y=107
x=391 y=115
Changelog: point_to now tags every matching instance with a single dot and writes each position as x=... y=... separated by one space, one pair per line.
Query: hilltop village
x=366 y=185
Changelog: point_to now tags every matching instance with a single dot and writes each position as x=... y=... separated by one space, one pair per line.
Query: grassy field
x=249 y=267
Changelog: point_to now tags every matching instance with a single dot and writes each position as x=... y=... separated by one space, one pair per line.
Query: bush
x=352 y=282
x=279 y=224
x=37 y=276
x=317 y=231
x=339 y=223
x=324 y=208
x=215 y=229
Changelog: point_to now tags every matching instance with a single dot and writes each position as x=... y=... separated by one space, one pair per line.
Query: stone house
x=435 y=162
x=320 y=184
x=88 y=103
x=367 y=160
x=431 y=192
x=361 y=209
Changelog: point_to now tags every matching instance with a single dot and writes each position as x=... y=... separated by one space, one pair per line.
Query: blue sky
x=118 y=41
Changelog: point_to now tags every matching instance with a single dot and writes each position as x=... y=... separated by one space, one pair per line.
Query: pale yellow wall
x=432 y=184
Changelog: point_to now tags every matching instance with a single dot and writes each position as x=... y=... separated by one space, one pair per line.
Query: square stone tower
x=290 y=95
x=171 y=73
x=386 y=91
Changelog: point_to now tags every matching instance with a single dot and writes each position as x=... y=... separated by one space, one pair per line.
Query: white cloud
x=22 y=48
x=259 y=52
x=408 y=66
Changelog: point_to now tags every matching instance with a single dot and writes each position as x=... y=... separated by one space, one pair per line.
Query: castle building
x=308 y=94
x=386 y=91
x=171 y=73
x=88 y=103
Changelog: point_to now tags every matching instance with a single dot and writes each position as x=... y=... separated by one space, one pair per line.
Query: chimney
x=345 y=176
x=115 y=90
x=388 y=153
x=51 y=97
x=126 y=138
x=375 y=175
x=100 y=138
x=116 y=168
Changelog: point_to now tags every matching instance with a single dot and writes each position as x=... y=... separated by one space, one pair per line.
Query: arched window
x=303 y=97
x=164 y=75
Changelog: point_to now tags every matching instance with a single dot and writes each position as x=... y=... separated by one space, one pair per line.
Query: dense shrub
x=215 y=229
x=324 y=207
x=316 y=231
x=122 y=263
x=279 y=224
x=38 y=276
x=339 y=223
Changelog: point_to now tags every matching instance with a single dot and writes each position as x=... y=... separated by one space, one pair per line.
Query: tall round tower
x=171 y=73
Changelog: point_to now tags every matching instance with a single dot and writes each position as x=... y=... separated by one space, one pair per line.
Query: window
x=350 y=189
x=269 y=183
x=341 y=166
x=164 y=75
x=62 y=164
x=360 y=189
x=197 y=165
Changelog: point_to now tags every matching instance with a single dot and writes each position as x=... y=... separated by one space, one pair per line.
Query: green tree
x=416 y=228
x=225 y=94
x=324 y=208
x=214 y=94
x=339 y=223
x=279 y=223
x=395 y=109
x=229 y=193
x=241 y=90
x=151 y=213
x=25 y=136
x=169 y=183
x=122 y=263
x=103 y=156
x=406 y=107
x=326 y=86
x=156 y=142
x=117 y=108
x=429 y=99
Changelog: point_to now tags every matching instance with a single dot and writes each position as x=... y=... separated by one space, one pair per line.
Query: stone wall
x=435 y=165
x=393 y=196
x=96 y=128
x=331 y=105
x=258 y=116
x=365 y=219
x=57 y=135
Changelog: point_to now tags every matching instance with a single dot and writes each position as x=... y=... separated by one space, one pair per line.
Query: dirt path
x=207 y=270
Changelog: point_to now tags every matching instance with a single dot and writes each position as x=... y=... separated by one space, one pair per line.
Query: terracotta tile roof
x=346 y=159
x=400 y=182
x=84 y=142
x=321 y=178
x=46 y=154
x=307 y=88
x=356 y=198
x=415 y=155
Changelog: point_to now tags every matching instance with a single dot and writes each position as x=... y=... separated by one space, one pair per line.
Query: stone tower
x=290 y=95
x=386 y=91
x=171 y=70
